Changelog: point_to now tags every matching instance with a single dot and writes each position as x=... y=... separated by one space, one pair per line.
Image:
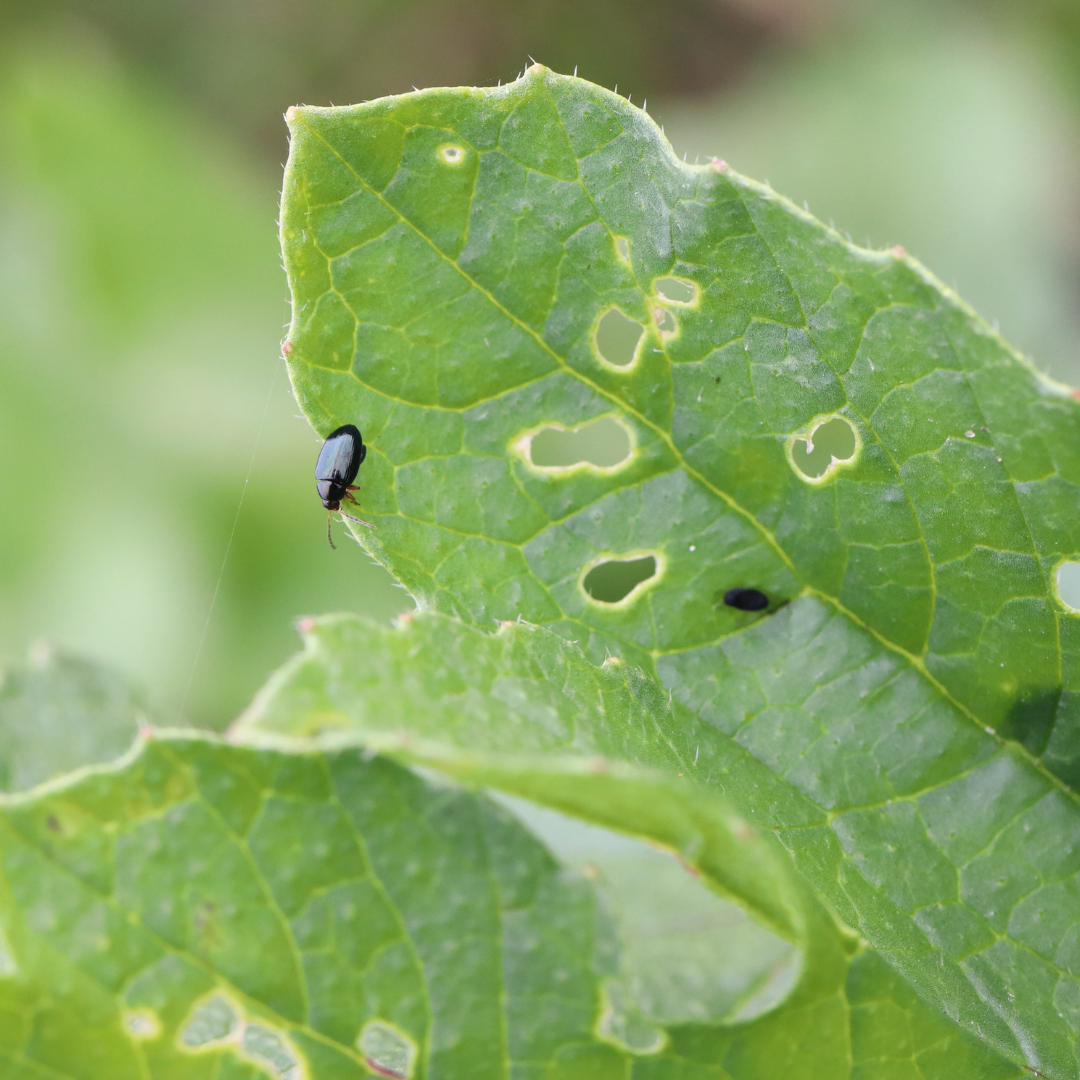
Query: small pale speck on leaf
x=451 y=154
x=142 y=1024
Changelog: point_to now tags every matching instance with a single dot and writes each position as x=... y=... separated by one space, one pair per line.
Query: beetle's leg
x=353 y=487
x=349 y=497
x=330 y=518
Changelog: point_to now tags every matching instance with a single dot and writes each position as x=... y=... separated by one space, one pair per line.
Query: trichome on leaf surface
x=419 y=853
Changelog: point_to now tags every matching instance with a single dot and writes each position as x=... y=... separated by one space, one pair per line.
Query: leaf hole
x=676 y=290
x=622 y=249
x=831 y=442
x=665 y=321
x=268 y=1049
x=387 y=1051
x=603 y=443
x=211 y=1021
x=216 y=1022
x=1068 y=584
x=617 y=338
x=451 y=154
x=613 y=580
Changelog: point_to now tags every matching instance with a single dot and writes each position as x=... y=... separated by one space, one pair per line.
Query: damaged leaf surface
x=913 y=676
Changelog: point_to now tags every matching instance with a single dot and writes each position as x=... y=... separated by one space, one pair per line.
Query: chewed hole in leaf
x=387 y=1051
x=617 y=338
x=271 y=1051
x=451 y=154
x=622 y=249
x=831 y=442
x=603 y=443
x=211 y=1021
x=1068 y=584
x=675 y=290
x=665 y=322
x=613 y=580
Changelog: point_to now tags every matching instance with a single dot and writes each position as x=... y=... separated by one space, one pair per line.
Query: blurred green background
x=142 y=301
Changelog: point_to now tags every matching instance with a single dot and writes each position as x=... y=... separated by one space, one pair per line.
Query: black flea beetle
x=339 y=461
x=746 y=599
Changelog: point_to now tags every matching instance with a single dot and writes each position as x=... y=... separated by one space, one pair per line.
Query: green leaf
x=909 y=693
x=451 y=306
x=205 y=910
x=59 y=713
x=523 y=711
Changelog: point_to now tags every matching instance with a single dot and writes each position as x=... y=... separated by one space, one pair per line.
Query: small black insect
x=746 y=599
x=339 y=461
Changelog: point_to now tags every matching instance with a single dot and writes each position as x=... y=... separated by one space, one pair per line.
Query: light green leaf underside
x=448 y=307
x=202 y=911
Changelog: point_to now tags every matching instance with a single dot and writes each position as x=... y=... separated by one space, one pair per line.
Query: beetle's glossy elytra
x=746 y=599
x=339 y=461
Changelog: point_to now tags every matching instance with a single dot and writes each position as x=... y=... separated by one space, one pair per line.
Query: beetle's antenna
x=351 y=518
x=330 y=518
